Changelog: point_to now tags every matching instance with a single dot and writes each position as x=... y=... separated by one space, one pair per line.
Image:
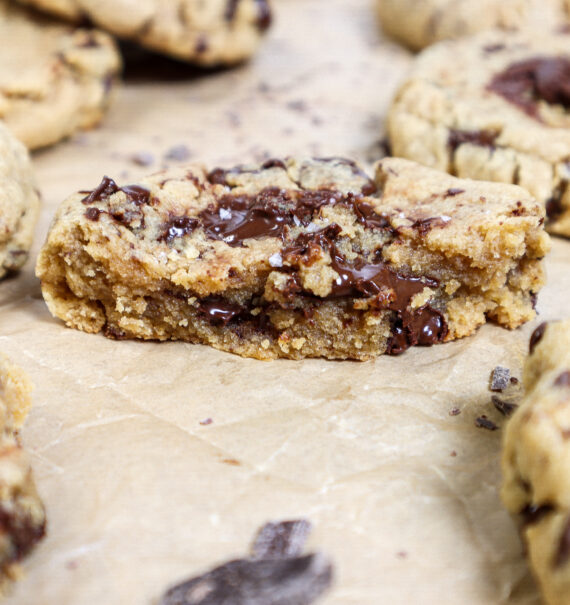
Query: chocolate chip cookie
x=206 y=33
x=419 y=23
x=22 y=514
x=54 y=79
x=296 y=258
x=493 y=107
x=19 y=203
x=536 y=460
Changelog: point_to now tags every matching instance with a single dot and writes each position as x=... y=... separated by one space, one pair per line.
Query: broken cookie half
x=296 y=258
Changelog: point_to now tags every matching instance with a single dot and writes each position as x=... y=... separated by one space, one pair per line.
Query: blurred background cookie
x=492 y=107
x=55 y=78
x=206 y=33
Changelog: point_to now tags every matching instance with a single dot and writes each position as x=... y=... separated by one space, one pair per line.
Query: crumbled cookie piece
x=207 y=33
x=536 y=461
x=495 y=116
x=55 y=79
x=296 y=258
x=22 y=515
x=19 y=203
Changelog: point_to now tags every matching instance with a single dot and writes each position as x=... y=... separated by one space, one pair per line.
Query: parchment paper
x=141 y=495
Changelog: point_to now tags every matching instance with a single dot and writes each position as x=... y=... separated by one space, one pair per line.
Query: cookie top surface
x=55 y=79
x=207 y=33
x=19 y=203
x=419 y=23
x=203 y=226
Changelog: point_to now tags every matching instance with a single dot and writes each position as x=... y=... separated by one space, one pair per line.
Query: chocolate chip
x=281 y=539
x=505 y=407
x=219 y=310
x=178 y=226
x=536 y=337
x=482 y=138
x=105 y=189
x=484 y=423
x=93 y=213
x=500 y=378
x=532 y=514
x=288 y=581
x=563 y=380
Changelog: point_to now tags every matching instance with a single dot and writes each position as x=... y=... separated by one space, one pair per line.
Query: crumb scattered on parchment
x=482 y=422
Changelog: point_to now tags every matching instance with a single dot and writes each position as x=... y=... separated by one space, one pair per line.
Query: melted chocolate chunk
x=505 y=407
x=219 y=311
x=563 y=380
x=135 y=193
x=484 y=423
x=390 y=290
x=563 y=552
x=287 y=581
x=482 y=138
x=177 y=227
x=282 y=539
x=22 y=531
x=527 y=82
x=536 y=337
x=217 y=176
x=367 y=216
x=106 y=188
x=532 y=514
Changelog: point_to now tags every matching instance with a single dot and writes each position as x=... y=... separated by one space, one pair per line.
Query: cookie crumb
x=482 y=422
x=453 y=453
x=454 y=412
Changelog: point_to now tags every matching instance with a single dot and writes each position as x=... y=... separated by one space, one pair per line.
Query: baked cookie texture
x=536 y=460
x=492 y=107
x=55 y=79
x=19 y=203
x=22 y=514
x=208 y=32
x=295 y=258
x=420 y=23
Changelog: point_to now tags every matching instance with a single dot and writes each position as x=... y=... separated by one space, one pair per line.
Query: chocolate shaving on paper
x=484 y=423
x=500 y=378
x=505 y=407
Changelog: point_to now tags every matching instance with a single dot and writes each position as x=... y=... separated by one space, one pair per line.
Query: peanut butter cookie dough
x=19 y=203
x=419 y=23
x=204 y=32
x=493 y=107
x=54 y=79
x=536 y=460
x=296 y=258
x=22 y=515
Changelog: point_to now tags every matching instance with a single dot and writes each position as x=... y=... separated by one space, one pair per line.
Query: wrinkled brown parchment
x=142 y=491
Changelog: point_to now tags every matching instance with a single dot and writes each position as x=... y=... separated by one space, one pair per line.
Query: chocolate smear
x=281 y=539
x=536 y=337
x=500 y=378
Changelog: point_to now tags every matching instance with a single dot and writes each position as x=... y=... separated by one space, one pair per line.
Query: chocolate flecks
x=505 y=407
x=177 y=227
x=453 y=191
x=500 y=378
x=105 y=189
x=536 y=337
x=563 y=380
x=454 y=411
x=264 y=16
x=563 y=552
x=93 y=213
x=142 y=158
x=292 y=580
x=494 y=48
x=482 y=422
x=219 y=311
x=217 y=176
x=514 y=380
x=425 y=225
x=525 y=83
x=231 y=10
x=206 y=421
x=532 y=514
x=482 y=138
x=281 y=539
x=22 y=531
x=274 y=163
